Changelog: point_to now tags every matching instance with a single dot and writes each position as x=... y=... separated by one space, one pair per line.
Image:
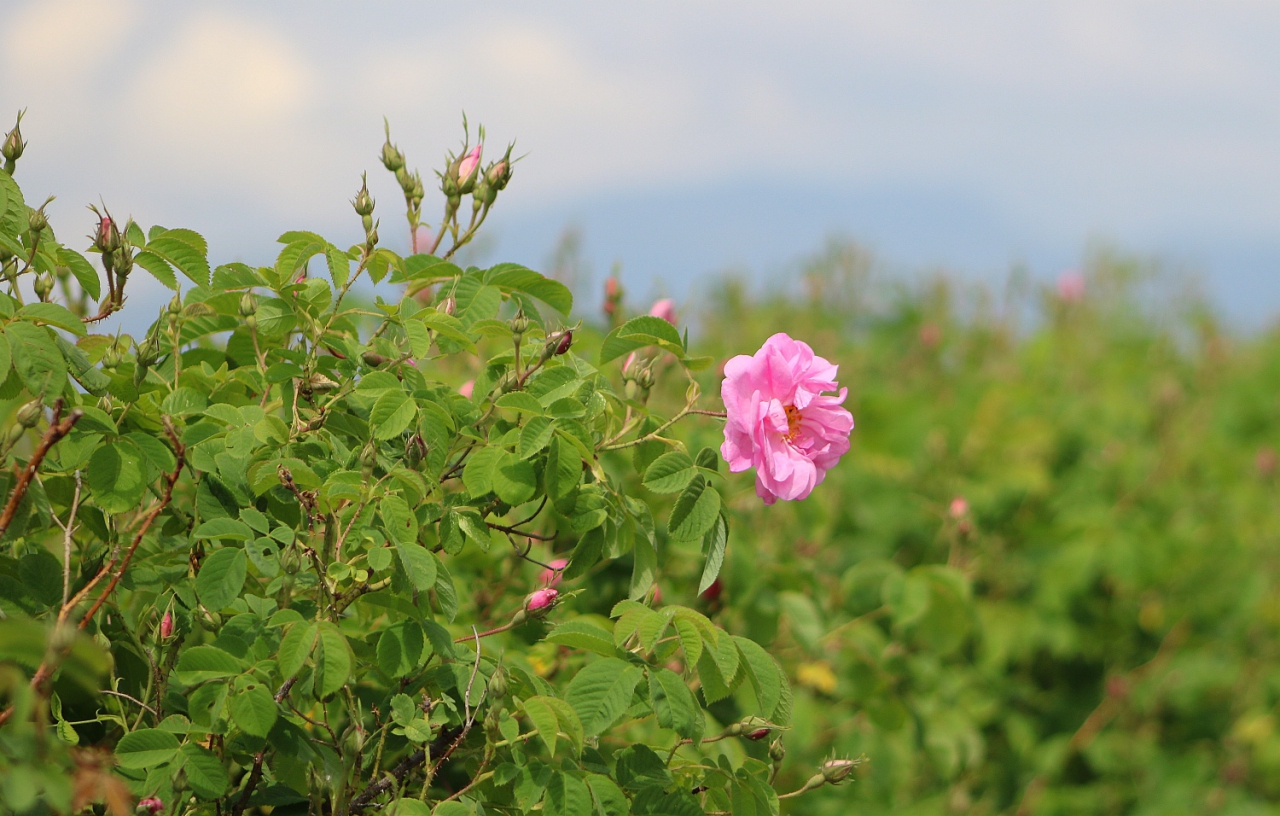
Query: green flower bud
x=777 y=751
x=13 y=145
x=252 y=322
x=37 y=221
x=415 y=450
x=363 y=202
x=498 y=684
x=391 y=157
x=43 y=285
x=111 y=358
x=835 y=771
x=29 y=414
x=175 y=305
x=248 y=305
x=519 y=324
x=15 y=433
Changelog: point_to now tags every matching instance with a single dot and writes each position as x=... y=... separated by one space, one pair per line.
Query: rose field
x=359 y=529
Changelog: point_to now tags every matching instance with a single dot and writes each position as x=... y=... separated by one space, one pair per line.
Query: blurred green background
x=1097 y=631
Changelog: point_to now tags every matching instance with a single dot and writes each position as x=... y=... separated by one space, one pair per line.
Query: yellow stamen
x=793 y=420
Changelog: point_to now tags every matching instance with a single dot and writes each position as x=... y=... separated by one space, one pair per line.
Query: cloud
x=51 y=45
x=225 y=106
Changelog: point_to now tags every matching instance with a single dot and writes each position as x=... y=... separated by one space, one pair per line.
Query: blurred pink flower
x=551 y=577
x=1071 y=286
x=151 y=804
x=665 y=309
x=779 y=421
x=422 y=239
x=959 y=507
x=467 y=388
x=541 y=599
x=469 y=163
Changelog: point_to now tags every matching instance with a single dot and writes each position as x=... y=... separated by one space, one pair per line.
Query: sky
x=684 y=138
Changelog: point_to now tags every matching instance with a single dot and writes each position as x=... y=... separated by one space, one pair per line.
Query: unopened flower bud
x=175 y=305
x=499 y=173
x=777 y=751
x=43 y=285
x=449 y=305
x=371 y=236
x=15 y=433
x=645 y=378
x=498 y=684
x=566 y=340
x=363 y=202
x=29 y=414
x=123 y=260
x=468 y=166
x=166 y=625
x=391 y=157
x=757 y=734
x=13 y=145
x=519 y=324
x=835 y=771
x=106 y=238
x=415 y=450
x=111 y=358
x=542 y=599
x=151 y=805
x=37 y=221
x=369 y=457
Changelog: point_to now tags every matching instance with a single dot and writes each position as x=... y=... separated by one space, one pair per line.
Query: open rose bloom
x=781 y=419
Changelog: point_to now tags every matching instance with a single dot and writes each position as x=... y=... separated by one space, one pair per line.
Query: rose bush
x=266 y=554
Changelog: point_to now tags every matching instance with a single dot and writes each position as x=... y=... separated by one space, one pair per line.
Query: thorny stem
x=57 y=429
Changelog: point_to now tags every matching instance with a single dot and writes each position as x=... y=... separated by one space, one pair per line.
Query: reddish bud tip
x=712 y=593
x=758 y=734
x=566 y=340
x=151 y=804
x=166 y=626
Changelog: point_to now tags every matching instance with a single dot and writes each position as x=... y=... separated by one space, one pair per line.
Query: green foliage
x=272 y=558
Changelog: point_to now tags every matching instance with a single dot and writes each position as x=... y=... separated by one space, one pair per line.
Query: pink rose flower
x=1071 y=286
x=467 y=388
x=541 y=599
x=550 y=577
x=664 y=309
x=780 y=420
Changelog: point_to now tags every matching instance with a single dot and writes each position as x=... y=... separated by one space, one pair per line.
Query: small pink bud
x=1071 y=286
x=836 y=771
x=758 y=734
x=542 y=599
x=626 y=365
x=467 y=388
x=467 y=168
x=657 y=594
x=959 y=507
x=166 y=626
x=151 y=804
x=550 y=577
x=665 y=309
x=612 y=288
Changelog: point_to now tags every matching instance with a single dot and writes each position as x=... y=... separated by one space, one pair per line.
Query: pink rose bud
x=151 y=804
x=836 y=771
x=1071 y=286
x=542 y=599
x=467 y=388
x=657 y=594
x=611 y=288
x=166 y=626
x=467 y=167
x=783 y=419
x=664 y=309
x=758 y=734
x=550 y=577
x=959 y=507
